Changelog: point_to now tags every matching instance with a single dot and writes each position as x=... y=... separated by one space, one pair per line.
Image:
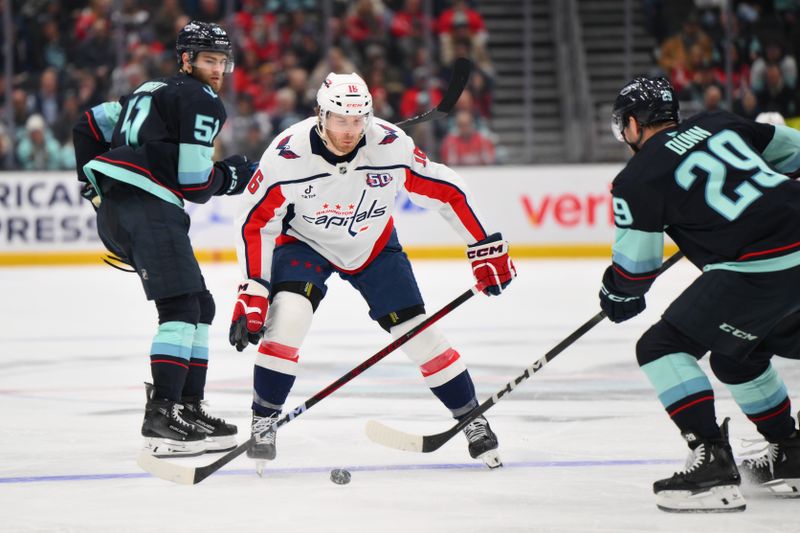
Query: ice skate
x=264 y=433
x=483 y=442
x=777 y=470
x=220 y=436
x=708 y=484
x=166 y=433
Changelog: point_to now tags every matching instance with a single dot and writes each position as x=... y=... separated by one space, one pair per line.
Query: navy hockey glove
x=88 y=191
x=249 y=314
x=491 y=266
x=618 y=307
x=237 y=170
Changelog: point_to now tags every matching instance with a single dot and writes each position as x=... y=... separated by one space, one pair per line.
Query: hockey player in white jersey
x=321 y=202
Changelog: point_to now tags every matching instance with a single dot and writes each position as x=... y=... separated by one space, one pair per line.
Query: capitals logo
x=283 y=149
x=347 y=217
x=391 y=135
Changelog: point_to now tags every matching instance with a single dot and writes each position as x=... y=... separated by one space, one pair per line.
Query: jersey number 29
x=727 y=151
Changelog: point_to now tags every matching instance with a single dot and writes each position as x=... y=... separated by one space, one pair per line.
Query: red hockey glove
x=492 y=267
x=249 y=314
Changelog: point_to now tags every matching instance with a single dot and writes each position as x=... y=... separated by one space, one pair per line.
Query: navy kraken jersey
x=716 y=185
x=158 y=138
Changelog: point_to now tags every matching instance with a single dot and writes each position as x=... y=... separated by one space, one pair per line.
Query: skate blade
x=491 y=459
x=220 y=444
x=260 y=466
x=160 y=447
x=784 y=488
x=721 y=499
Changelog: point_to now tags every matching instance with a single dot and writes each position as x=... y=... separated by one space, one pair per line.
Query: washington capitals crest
x=283 y=149
x=391 y=135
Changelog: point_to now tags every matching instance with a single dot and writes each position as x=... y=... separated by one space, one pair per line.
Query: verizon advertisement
x=531 y=205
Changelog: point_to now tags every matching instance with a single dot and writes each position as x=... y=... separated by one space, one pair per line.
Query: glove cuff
x=254 y=287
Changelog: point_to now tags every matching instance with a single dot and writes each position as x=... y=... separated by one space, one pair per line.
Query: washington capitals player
x=715 y=184
x=143 y=157
x=321 y=202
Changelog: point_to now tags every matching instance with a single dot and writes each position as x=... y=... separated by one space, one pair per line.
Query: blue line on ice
x=355 y=468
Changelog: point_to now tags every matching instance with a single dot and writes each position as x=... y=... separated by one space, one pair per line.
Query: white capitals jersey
x=342 y=210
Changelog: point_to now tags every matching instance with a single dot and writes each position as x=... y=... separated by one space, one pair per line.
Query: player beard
x=212 y=80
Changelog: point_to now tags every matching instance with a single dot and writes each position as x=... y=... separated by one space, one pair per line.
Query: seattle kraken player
x=715 y=184
x=321 y=202
x=142 y=158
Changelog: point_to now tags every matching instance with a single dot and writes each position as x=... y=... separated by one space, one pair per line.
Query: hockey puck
x=340 y=476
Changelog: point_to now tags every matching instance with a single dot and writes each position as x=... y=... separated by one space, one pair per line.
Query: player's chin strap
x=634 y=145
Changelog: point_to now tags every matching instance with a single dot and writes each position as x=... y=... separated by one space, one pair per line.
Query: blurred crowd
x=761 y=49
x=70 y=55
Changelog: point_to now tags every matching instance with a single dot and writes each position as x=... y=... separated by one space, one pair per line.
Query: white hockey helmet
x=346 y=95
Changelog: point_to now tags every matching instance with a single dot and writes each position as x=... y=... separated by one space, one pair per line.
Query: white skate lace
x=260 y=426
x=476 y=430
x=763 y=459
x=176 y=416
x=201 y=408
x=695 y=459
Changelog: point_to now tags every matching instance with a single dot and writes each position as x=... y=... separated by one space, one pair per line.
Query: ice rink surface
x=582 y=440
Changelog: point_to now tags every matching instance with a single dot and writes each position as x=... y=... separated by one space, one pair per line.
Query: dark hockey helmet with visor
x=649 y=101
x=199 y=36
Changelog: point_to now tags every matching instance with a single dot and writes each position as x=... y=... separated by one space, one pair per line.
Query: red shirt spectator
x=459 y=11
x=467 y=146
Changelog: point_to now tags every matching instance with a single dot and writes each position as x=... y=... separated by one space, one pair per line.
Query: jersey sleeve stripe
x=259 y=217
x=627 y=276
x=90 y=119
x=449 y=194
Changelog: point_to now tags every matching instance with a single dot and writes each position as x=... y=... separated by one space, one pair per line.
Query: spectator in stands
x=285 y=113
x=674 y=52
x=774 y=54
x=6 y=149
x=421 y=96
x=466 y=146
x=776 y=95
x=746 y=105
x=37 y=150
x=46 y=100
x=712 y=98
x=367 y=24
x=67 y=117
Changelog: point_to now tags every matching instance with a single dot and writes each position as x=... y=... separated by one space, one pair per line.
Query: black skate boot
x=778 y=470
x=264 y=448
x=220 y=436
x=709 y=483
x=166 y=433
x=483 y=442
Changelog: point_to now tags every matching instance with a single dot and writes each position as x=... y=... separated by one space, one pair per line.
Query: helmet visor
x=617 y=126
x=213 y=59
x=355 y=124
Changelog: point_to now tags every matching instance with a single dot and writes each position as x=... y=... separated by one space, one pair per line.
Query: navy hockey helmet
x=649 y=101
x=204 y=37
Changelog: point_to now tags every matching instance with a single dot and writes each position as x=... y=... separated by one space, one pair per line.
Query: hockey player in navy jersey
x=142 y=158
x=716 y=184
x=321 y=202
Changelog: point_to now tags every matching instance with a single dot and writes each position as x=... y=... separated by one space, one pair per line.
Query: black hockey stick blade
x=192 y=475
x=462 y=67
x=393 y=438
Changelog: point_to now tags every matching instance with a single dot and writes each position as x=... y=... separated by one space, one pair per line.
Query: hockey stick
x=191 y=475
x=460 y=76
x=393 y=438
